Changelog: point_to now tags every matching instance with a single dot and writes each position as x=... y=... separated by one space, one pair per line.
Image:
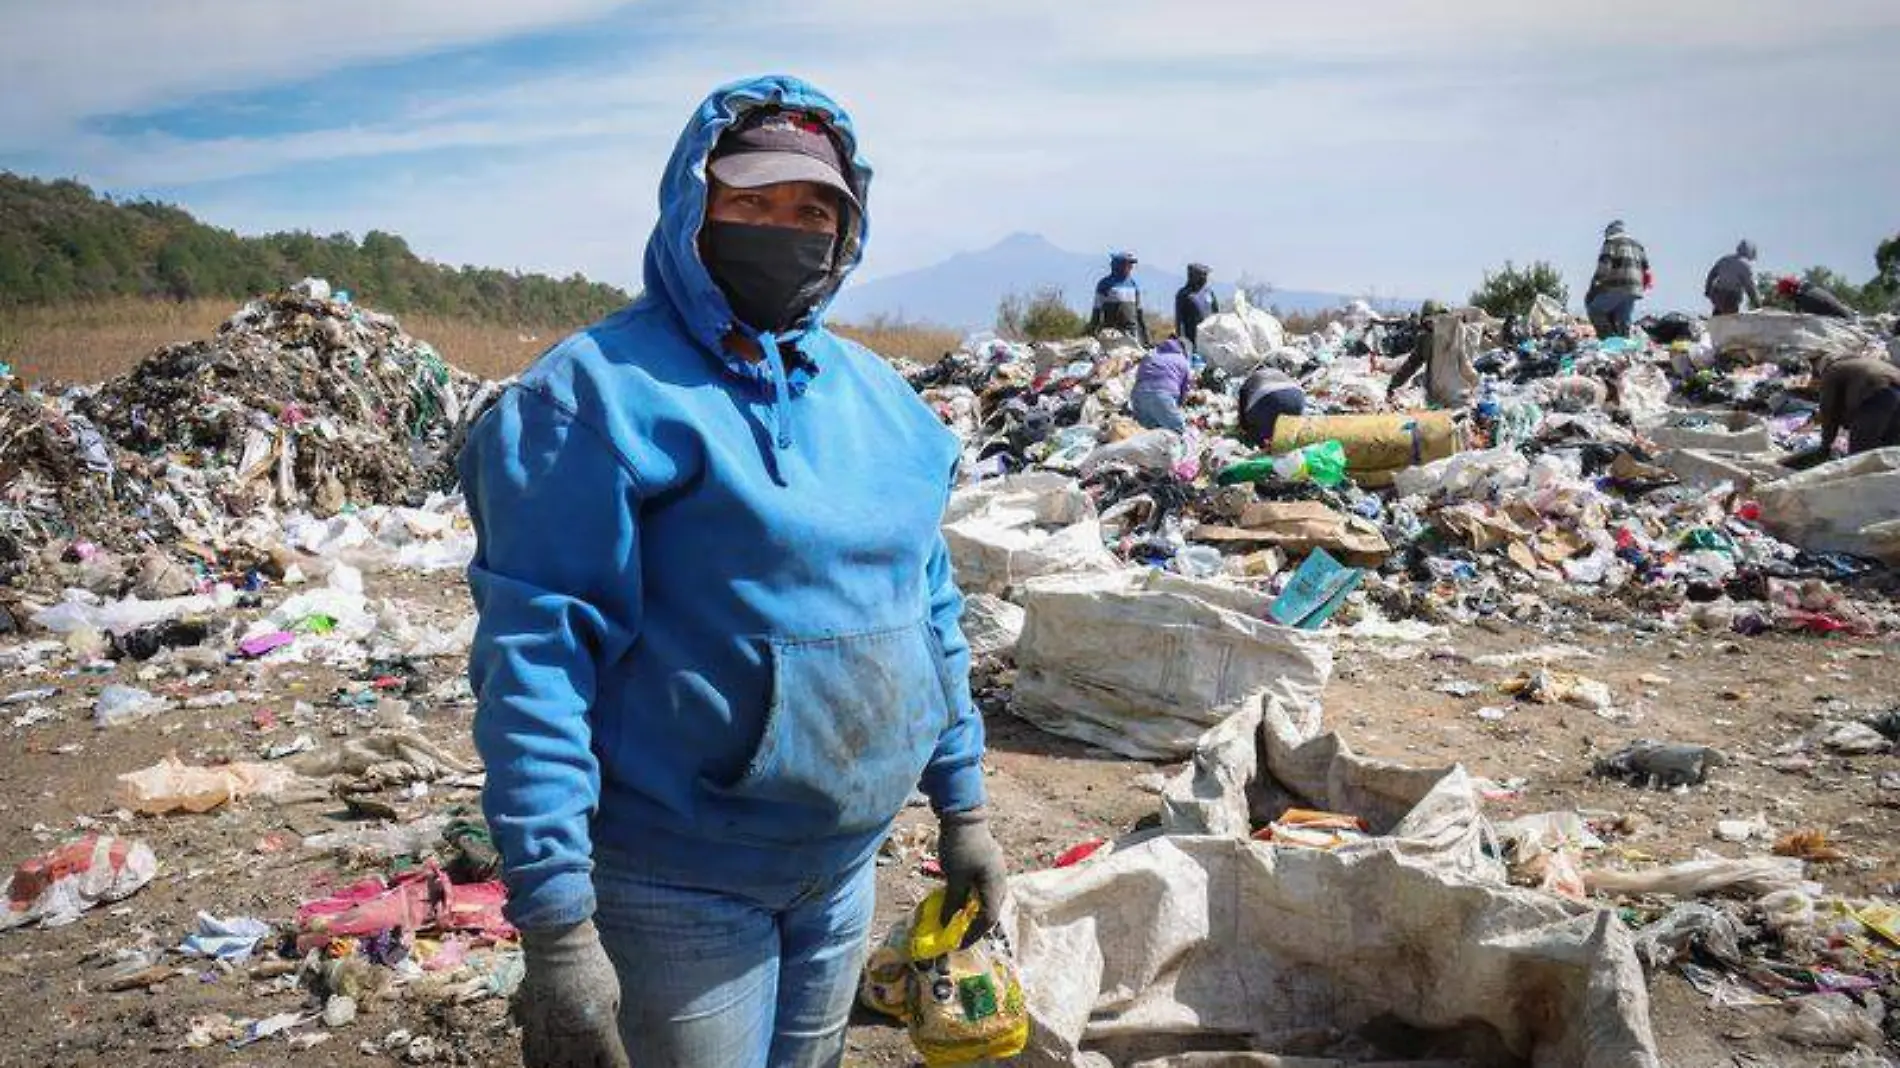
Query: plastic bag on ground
x=1728 y=432
x=224 y=939
x=1142 y=665
x=1001 y=534
x=962 y=1005
x=82 y=611
x=1546 y=314
x=991 y=625
x=1469 y=474
x=1785 y=337
x=54 y=888
x=1237 y=341
x=174 y=786
x=387 y=757
x=121 y=704
x=1322 y=463
x=1752 y=876
x=1847 y=506
x=1150 y=450
x=417 y=900
x=1177 y=945
x=1643 y=393
x=1833 y=1021
x=1272 y=756
x=339 y=614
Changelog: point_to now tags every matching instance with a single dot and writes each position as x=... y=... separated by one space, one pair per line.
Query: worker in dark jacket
x=1811 y=299
x=1265 y=396
x=1194 y=302
x=1862 y=396
x=1118 y=300
x=1621 y=278
x=1731 y=283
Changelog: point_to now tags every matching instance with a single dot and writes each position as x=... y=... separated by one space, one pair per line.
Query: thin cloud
x=1390 y=145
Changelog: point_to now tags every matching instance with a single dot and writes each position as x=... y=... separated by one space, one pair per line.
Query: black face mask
x=772 y=275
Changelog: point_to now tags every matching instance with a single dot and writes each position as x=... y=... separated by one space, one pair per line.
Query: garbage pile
x=1625 y=481
x=302 y=402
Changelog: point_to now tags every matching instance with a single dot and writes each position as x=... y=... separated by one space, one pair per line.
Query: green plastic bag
x=1322 y=463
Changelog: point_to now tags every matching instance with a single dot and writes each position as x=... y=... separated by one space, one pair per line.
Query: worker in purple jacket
x=1161 y=385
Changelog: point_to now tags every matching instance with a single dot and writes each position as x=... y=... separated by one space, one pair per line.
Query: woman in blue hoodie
x=718 y=642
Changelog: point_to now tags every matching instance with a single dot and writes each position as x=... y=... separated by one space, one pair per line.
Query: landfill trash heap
x=1632 y=481
x=303 y=402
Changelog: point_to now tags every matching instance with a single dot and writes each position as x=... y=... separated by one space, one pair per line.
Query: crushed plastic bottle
x=122 y=704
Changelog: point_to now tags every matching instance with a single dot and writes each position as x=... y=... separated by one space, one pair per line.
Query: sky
x=1387 y=147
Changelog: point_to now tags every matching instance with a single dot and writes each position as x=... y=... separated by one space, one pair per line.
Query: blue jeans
x=1611 y=312
x=753 y=977
x=1157 y=411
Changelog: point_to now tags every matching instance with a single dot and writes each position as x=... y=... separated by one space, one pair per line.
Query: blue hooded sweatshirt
x=718 y=628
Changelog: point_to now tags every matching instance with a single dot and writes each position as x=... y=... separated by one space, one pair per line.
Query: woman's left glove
x=971 y=860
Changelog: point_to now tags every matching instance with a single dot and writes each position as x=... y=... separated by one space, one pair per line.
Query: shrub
x=1039 y=316
x=1512 y=290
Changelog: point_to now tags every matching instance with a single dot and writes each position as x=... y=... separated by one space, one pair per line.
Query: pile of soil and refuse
x=1581 y=481
x=302 y=402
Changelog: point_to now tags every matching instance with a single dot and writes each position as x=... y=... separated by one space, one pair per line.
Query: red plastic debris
x=1077 y=854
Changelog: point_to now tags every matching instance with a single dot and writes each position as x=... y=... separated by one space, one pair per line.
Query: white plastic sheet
x=1643 y=393
x=1004 y=533
x=1182 y=945
x=1237 y=341
x=1480 y=474
x=1785 y=337
x=1272 y=756
x=991 y=625
x=1150 y=450
x=1847 y=506
x=1729 y=432
x=82 y=610
x=1141 y=664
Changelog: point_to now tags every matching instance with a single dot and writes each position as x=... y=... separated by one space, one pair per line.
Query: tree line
x=62 y=243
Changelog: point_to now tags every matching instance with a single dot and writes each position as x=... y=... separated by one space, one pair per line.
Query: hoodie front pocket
x=854 y=718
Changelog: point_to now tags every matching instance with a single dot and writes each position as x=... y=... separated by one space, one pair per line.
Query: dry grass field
x=95 y=341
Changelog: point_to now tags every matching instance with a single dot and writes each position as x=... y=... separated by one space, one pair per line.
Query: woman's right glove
x=569 y=1002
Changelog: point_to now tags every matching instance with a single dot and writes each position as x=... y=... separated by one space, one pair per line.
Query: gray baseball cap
x=776 y=146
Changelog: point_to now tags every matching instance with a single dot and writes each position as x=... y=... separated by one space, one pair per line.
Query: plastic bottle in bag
x=963 y=1005
x=1322 y=463
x=119 y=704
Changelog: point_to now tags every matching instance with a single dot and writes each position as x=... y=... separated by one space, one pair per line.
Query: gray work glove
x=569 y=1002
x=971 y=860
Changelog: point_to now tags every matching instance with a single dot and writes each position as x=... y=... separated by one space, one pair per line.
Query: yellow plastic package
x=961 y=1005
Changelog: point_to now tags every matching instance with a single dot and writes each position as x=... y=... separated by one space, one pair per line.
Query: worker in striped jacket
x=1621 y=278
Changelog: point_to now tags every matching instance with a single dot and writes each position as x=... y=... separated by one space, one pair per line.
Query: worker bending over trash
x=1730 y=286
x=1860 y=395
x=1161 y=387
x=1266 y=395
x=719 y=639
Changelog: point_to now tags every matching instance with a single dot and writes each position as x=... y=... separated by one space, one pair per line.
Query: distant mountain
x=963 y=290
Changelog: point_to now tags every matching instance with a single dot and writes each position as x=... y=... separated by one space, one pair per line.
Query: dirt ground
x=1747 y=696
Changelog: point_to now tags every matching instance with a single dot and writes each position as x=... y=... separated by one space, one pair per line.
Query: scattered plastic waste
x=55 y=888
x=233 y=939
x=121 y=704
